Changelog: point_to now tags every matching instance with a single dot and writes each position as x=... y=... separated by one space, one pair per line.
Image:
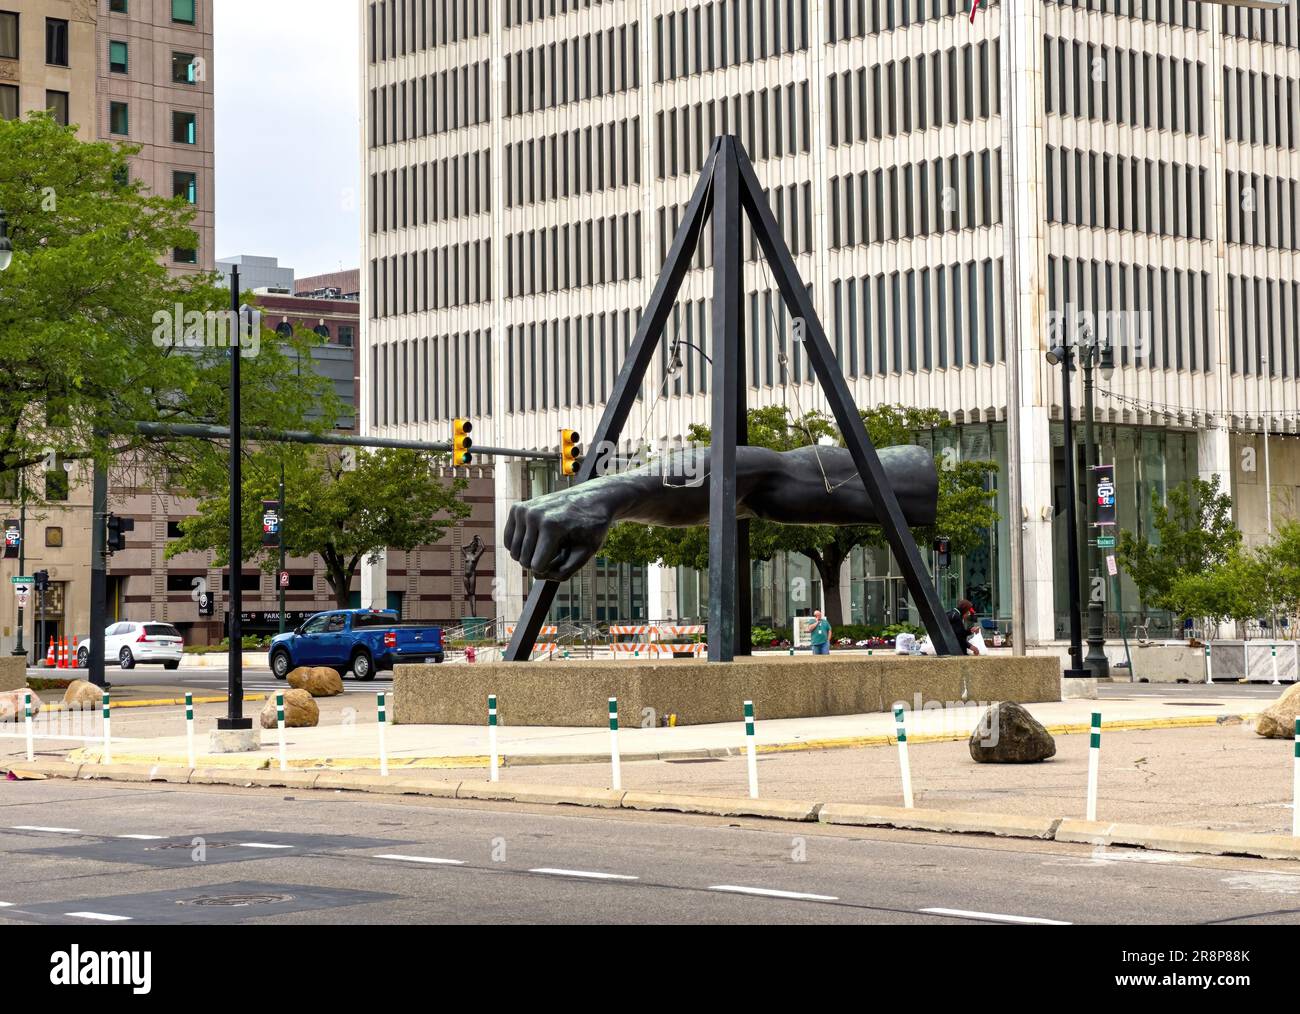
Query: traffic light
x=570 y=452
x=117 y=529
x=460 y=442
x=943 y=547
x=42 y=578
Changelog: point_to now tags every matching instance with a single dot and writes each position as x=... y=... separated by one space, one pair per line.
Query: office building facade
x=527 y=163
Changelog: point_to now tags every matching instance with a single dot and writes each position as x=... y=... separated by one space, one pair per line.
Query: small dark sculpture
x=473 y=553
x=555 y=534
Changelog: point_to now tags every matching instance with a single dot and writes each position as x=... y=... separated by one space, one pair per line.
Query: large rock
x=319 y=681
x=83 y=694
x=1008 y=734
x=300 y=710
x=11 y=705
x=1277 y=721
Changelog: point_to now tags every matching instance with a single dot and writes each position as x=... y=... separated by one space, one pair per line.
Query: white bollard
x=27 y=717
x=616 y=775
x=279 y=722
x=108 y=735
x=1094 y=757
x=752 y=759
x=1209 y=670
x=492 y=735
x=1295 y=785
x=383 y=742
x=903 y=766
x=189 y=728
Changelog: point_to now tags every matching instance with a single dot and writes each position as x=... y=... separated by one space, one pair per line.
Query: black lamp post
x=1093 y=354
x=235 y=602
x=6 y=258
x=1063 y=356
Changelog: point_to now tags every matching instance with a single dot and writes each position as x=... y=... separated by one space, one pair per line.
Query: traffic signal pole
x=98 y=574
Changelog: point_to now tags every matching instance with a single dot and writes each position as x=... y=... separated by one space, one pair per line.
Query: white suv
x=130 y=642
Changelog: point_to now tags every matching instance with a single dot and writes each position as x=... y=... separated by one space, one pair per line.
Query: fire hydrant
x=470 y=654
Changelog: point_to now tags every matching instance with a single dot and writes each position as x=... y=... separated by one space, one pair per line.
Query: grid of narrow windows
x=573 y=255
x=854 y=19
x=1263 y=326
x=572 y=163
x=400 y=27
x=1104 y=191
x=727 y=33
x=1259 y=108
x=431 y=192
x=1261 y=210
x=573 y=69
x=901 y=202
x=1282 y=28
x=567 y=361
x=456 y=275
x=522 y=12
x=429 y=105
x=770 y=123
x=1179 y=13
x=945 y=87
x=791 y=207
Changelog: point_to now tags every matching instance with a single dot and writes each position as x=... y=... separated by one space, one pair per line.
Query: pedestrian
x=961 y=619
x=821 y=634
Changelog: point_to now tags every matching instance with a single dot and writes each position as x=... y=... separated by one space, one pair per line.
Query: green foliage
x=391 y=498
x=78 y=314
x=762 y=637
x=1194 y=537
x=1231 y=590
x=965 y=511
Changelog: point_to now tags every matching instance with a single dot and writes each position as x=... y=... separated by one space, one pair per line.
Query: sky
x=288 y=140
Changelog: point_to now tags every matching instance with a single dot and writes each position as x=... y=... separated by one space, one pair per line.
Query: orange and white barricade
x=544 y=649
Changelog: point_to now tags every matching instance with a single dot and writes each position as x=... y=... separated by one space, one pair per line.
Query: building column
x=374 y=582
x=846 y=589
x=1214 y=454
x=661 y=592
x=1036 y=524
x=508 y=584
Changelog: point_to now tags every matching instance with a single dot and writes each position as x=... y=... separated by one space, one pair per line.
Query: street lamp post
x=1063 y=356
x=6 y=257
x=235 y=719
x=1094 y=355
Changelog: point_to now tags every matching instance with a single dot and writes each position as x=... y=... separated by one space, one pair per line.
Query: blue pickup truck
x=363 y=640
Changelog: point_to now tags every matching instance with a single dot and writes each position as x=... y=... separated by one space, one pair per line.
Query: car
x=361 y=640
x=133 y=642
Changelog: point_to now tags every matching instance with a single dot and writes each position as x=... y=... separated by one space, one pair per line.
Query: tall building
x=526 y=164
x=257 y=273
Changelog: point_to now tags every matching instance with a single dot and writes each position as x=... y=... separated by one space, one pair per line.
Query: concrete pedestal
x=1076 y=689
x=234 y=740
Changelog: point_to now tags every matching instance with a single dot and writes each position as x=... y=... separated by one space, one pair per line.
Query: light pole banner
x=13 y=539
x=271 y=522
x=1103 y=484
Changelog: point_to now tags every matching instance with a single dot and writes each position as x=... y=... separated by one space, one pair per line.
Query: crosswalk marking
x=767 y=892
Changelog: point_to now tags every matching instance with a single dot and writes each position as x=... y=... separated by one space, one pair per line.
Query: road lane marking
x=142 y=837
x=591 y=874
x=55 y=830
x=962 y=913
x=6 y=904
x=260 y=845
x=100 y=916
x=423 y=859
x=767 y=892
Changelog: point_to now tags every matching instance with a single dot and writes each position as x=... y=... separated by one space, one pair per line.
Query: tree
x=1194 y=535
x=965 y=503
x=1231 y=590
x=88 y=308
x=391 y=499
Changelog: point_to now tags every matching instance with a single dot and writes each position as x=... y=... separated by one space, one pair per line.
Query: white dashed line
x=260 y=845
x=100 y=916
x=6 y=904
x=769 y=893
x=591 y=874
x=961 y=913
x=55 y=830
x=423 y=859
x=142 y=837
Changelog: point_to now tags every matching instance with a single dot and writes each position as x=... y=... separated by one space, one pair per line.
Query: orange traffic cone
x=73 y=662
x=49 y=656
x=63 y=652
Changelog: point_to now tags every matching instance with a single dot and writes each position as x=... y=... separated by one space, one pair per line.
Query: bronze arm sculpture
x=555 y=534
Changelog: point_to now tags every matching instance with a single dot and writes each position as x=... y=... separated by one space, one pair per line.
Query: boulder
x=83 y=694
x=1277 y=721
x=319 y=681
x=11 y=705
x=300 y=710
x=1008 y=734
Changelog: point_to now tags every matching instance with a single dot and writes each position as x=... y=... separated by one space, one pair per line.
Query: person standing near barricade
x=820 y=634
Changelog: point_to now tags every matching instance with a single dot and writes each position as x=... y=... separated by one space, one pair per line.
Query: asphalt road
x=83 y=853
x=205 y=681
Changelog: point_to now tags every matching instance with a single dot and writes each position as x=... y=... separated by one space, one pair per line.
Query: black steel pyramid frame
x=726 y=187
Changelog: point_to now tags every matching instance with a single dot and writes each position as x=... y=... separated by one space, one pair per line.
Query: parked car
x=137 y=641
x=362 y=640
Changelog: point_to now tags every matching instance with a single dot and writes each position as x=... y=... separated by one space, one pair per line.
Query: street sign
x=22 y=591
x=1105 y=542
x=284 y=579
x=28 y=579
x=1111 y=567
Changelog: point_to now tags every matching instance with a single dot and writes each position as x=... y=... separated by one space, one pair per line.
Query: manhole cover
x=189 y=845
x=236 y=900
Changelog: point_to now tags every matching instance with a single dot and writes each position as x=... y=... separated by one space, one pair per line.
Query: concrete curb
x=156 y=702
x=1180 y=839
x=1004 y=825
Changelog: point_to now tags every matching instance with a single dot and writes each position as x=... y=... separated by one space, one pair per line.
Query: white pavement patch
x=1271 y=883
x=260 y=845
x=98 y=916
x=767 y=892
x=52 y=830
x=141 y=837
x=1101 y=856
x=6 y=904
x=590 y=874
x=423 y=859
x=1019 y=920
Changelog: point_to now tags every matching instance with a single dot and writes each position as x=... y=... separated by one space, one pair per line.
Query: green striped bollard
x=616 y=774
x=1209 y=671
x=1094 y=759
x=1295 y=785
x=905 y=769
x=1276 y=682
x=751 y=758
x=492 y=735
x=381 y=700
x=108 y=734
x=27 y=718
x=279 y=723
x=189 y=728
